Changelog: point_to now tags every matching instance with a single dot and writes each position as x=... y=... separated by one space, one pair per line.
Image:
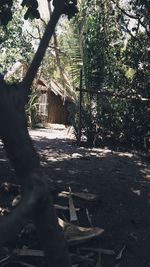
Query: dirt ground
x=120 y=179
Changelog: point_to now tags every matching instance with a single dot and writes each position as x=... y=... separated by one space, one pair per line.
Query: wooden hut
x=53 y=102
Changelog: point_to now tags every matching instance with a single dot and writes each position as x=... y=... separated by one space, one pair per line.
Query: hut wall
x=57 y=110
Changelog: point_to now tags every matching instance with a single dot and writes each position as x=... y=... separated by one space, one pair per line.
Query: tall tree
x=21 y=152
x=115 y=51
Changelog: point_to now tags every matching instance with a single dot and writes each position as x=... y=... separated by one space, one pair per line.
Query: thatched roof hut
x=54 y=102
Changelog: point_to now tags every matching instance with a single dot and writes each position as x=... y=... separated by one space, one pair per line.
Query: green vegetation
x=110 y=42
x=114 y=44
x=15 y=44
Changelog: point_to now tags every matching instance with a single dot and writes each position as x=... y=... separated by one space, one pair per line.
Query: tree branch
x=136 y=17
x=124 y=12
x=31 y=73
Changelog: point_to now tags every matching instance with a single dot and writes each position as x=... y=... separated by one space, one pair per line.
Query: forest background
x=109 y=41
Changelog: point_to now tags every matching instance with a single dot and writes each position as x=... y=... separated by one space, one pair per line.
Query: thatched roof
x=54 y=87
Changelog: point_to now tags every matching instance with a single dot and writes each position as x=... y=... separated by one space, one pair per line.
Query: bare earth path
x=122 y=181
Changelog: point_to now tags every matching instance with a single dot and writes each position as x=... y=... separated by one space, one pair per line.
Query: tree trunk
x=25 y=160
x=36 y=202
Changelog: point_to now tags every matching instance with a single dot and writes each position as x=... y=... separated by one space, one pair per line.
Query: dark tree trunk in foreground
x=36 y=202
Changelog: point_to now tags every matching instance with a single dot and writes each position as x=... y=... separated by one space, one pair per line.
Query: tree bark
x=25 y=160
x=31 y=73
x=36 y=200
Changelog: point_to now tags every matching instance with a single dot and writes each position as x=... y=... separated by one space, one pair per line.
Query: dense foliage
x=32 y=12
x=116 y=57
x=16 y=43
x=109 y=40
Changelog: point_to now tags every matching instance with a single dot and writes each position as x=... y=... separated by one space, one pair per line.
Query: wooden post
x=80 y=110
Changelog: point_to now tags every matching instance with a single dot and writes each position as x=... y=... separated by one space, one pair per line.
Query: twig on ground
x=119 y=256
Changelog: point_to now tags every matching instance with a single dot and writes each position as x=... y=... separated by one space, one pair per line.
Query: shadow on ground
x=122 y=182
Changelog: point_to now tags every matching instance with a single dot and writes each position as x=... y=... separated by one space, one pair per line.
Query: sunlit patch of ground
x=57 y=143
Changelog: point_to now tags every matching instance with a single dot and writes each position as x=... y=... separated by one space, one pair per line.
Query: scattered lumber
x=76 y=234
x=82 y=195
